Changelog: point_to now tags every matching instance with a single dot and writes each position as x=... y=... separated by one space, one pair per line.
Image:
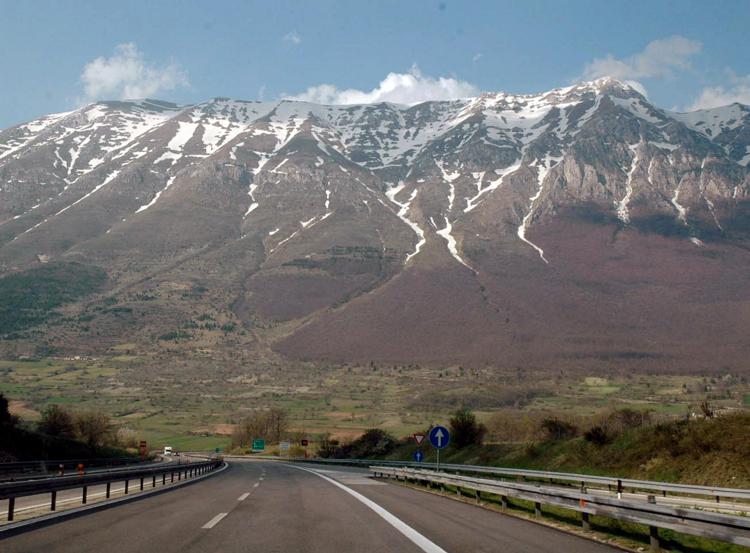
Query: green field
x=193 y=406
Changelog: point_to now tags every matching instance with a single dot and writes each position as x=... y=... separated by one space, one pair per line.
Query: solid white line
x=243 y=497
x=418 y=539
x=214 y=521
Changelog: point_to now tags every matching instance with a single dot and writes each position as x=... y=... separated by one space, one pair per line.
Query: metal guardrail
x=582 y=480
x=723 y=527
x=44 y=466
x=70 y=468
x=22 y=488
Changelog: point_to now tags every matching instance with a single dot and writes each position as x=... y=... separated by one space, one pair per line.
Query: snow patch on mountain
x=403 y=215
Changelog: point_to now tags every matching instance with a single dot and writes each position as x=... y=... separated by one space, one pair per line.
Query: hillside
x=582 y=227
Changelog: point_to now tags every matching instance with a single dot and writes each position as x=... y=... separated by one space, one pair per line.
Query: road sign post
x=418 y=456
x=439 y=438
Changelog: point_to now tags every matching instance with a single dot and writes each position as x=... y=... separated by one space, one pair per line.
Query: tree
x=278 y=423
x=5 y=416
x=57 y=421
x=93 y=428
x=268 y=424
x=465 y=429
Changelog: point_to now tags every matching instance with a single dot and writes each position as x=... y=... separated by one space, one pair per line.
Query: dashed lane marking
x=243 y=497
x=214 y=521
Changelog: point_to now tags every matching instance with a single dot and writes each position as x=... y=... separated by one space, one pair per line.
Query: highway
x=265 y=506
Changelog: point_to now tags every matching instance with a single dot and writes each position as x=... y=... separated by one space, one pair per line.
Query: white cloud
x=400 y=88
x=660 y=58
x=126 y=74
x=292 y=37
x=476 y=57
x=715 y=96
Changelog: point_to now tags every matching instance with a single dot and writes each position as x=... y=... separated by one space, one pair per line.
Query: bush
x=5 y=416
x=373 y=443
x=465 y=429
x=57 y=421
x=597 y=435
x=558 y=429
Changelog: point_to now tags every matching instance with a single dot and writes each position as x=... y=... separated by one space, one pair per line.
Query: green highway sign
x=259 y=444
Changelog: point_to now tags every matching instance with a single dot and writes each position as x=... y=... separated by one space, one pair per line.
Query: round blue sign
x=440 y=437
x=418 y=456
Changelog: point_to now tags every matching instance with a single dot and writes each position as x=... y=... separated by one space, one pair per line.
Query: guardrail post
x=172 y=476
x=85 y=493
x=53 y=501
x=504 y=501
x=141 y=483
x=653 y=535
x=127 y=483
x=537 y=509
x=11 y=508
x=163 y=478
x=108 y=492
x=718 y=499
x=478 y=496
x=585 y=523
x=153 y=481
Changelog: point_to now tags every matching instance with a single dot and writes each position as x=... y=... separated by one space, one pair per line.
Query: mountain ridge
x=323 y=223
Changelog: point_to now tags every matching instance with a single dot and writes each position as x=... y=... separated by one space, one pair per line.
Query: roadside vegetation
x=707 y=449
x=61 y=434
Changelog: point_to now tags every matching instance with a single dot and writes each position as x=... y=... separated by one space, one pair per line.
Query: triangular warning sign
x=419 y=438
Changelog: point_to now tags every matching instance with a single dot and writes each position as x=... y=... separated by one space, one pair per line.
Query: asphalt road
x=272 y=507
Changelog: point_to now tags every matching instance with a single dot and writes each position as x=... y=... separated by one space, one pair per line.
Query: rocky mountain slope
x=579 y=227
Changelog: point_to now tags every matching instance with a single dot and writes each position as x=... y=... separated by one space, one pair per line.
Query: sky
x=57 y=56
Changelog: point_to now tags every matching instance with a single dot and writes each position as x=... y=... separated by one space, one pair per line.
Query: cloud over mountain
x=127 y=74
x=400 y=88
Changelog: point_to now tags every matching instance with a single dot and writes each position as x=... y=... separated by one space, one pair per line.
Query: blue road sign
x=418 y=456
x=440 y=437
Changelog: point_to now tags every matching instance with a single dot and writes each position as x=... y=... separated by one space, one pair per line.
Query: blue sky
x=58 y=55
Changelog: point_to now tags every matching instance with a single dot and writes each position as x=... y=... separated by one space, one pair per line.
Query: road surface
x=272 y=507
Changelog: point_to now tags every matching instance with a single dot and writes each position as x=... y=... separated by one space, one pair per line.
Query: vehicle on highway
x=167 y=451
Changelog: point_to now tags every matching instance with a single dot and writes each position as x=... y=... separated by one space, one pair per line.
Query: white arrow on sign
x=439 y=435
x=419 y=438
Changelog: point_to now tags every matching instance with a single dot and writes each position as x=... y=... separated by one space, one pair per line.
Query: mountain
x=581 y=227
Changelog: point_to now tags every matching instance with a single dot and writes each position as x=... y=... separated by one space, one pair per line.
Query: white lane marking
x=418 y=539
x=214 y=521
x=256 y=484
x=243 y=497
x=261 y=479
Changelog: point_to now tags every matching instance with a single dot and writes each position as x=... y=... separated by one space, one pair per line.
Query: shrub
x=465 y=429
x=558 y=429
x=597 y=435
x=57 y=421
x=5 y=416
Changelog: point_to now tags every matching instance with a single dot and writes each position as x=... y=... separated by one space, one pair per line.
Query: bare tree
x=57 y=421
x=93 y=428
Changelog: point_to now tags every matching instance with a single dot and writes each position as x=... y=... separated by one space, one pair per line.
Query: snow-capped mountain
x=441 y=231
